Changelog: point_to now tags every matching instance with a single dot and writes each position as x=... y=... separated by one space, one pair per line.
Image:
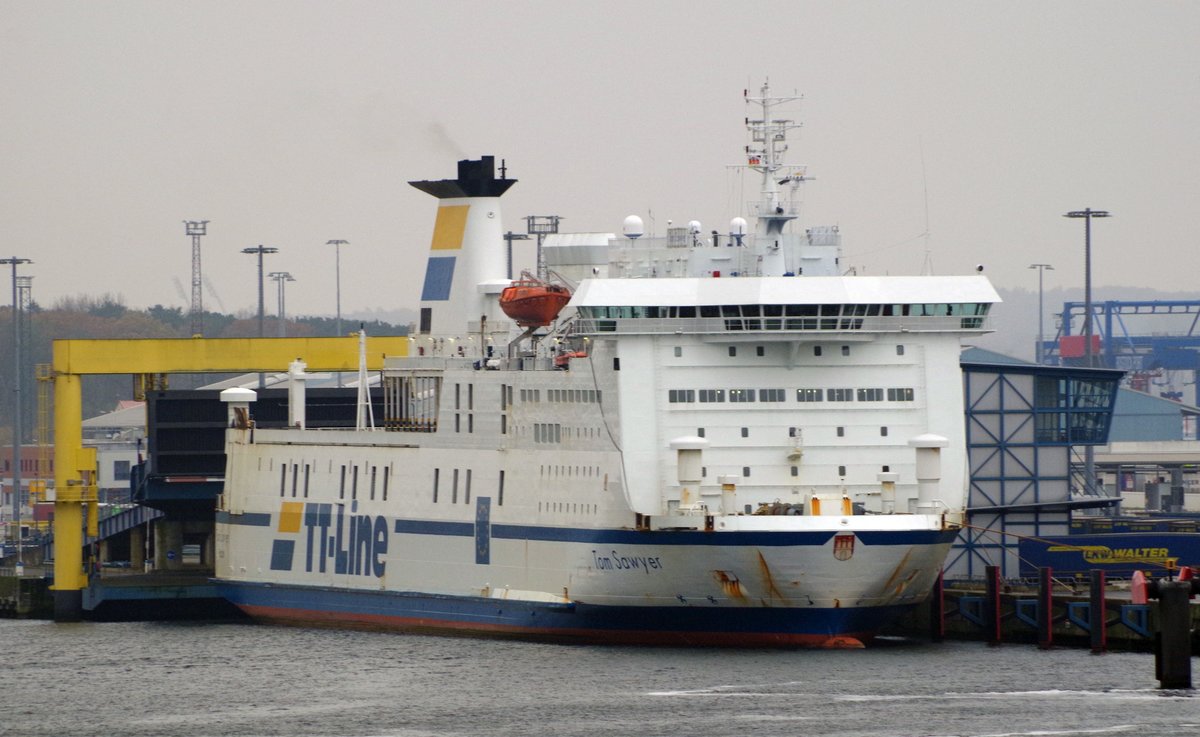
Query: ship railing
x=428 y=363
x=819 y=325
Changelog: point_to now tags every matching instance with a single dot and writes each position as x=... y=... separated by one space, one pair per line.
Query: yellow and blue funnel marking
x=447 y=236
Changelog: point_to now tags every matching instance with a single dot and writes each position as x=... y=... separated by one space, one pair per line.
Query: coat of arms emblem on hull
x=843 y=546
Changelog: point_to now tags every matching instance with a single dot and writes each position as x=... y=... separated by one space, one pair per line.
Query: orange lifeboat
x=532 y=302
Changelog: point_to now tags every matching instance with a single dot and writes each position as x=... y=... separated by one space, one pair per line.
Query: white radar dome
x=694 y=226
x=633 y=227
x=737 y=226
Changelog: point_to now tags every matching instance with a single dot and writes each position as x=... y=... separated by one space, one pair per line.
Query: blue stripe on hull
x=698 y=624
x=612 y=536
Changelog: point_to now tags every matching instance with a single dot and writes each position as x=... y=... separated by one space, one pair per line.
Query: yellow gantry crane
x=75 y=466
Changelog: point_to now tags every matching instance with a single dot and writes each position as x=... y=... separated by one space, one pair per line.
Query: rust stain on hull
x=768 y=577
x=730 y=584
x=896 y=572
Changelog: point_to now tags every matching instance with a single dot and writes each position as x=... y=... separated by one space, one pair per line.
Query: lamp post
x=1087 y=214
x=1089 y=451
x=337 y=244
x=281 y=278
x=14 y=262
x=1040 y=353
x=260 y=250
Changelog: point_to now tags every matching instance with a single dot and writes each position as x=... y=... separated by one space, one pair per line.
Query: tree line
x=107 y=317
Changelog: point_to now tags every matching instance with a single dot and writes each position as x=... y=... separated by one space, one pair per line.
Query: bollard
x=1173 y=650
x=937 y=609
x=1045 y=610
x=993 y=605
x=1097 y=615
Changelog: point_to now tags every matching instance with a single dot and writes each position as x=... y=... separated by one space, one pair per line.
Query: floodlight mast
x=1089 y=450
x=196 y=229
x=260 y=250
x=14 y=262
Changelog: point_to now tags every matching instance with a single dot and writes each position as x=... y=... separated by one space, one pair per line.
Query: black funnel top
x=475 y=179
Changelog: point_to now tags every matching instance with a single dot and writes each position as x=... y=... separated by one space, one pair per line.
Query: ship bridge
x=811 y=304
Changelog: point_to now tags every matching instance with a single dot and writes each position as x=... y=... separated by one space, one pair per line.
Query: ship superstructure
x=720 y=440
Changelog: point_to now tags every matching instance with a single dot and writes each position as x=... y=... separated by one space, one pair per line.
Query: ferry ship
x=720 y=440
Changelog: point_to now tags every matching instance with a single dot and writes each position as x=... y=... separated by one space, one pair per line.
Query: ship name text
x=617 y=562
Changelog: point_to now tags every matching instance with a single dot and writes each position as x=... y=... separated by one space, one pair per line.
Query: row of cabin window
x=712 y=396
x=552 y=432
x=570 y=396
x=762 y=351
x=795 y=471
x=795 y=432
x=569 y=507
x=437 y=480
x=560 y=470
x=851 y=310
x=352 y=477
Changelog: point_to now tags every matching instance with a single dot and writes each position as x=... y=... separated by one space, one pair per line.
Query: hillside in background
x=106 y=317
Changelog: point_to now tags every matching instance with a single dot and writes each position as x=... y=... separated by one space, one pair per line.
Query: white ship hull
x=487 y=569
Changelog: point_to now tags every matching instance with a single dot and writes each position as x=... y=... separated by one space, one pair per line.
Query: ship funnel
x=929 y=470
x=466 y=251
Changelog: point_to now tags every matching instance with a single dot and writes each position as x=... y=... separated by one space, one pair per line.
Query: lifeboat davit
x=532 y=302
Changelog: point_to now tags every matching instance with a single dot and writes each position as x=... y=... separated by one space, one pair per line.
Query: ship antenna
x=768 y=144
x=927 y=266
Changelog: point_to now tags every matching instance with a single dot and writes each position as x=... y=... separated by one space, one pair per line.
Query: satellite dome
x=737 y=226
x=693 y=226
x=633 y=227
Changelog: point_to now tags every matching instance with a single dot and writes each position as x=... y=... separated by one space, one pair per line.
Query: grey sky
x=292 y=123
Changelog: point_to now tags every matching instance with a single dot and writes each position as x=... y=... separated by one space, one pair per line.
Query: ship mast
x=764 y=154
